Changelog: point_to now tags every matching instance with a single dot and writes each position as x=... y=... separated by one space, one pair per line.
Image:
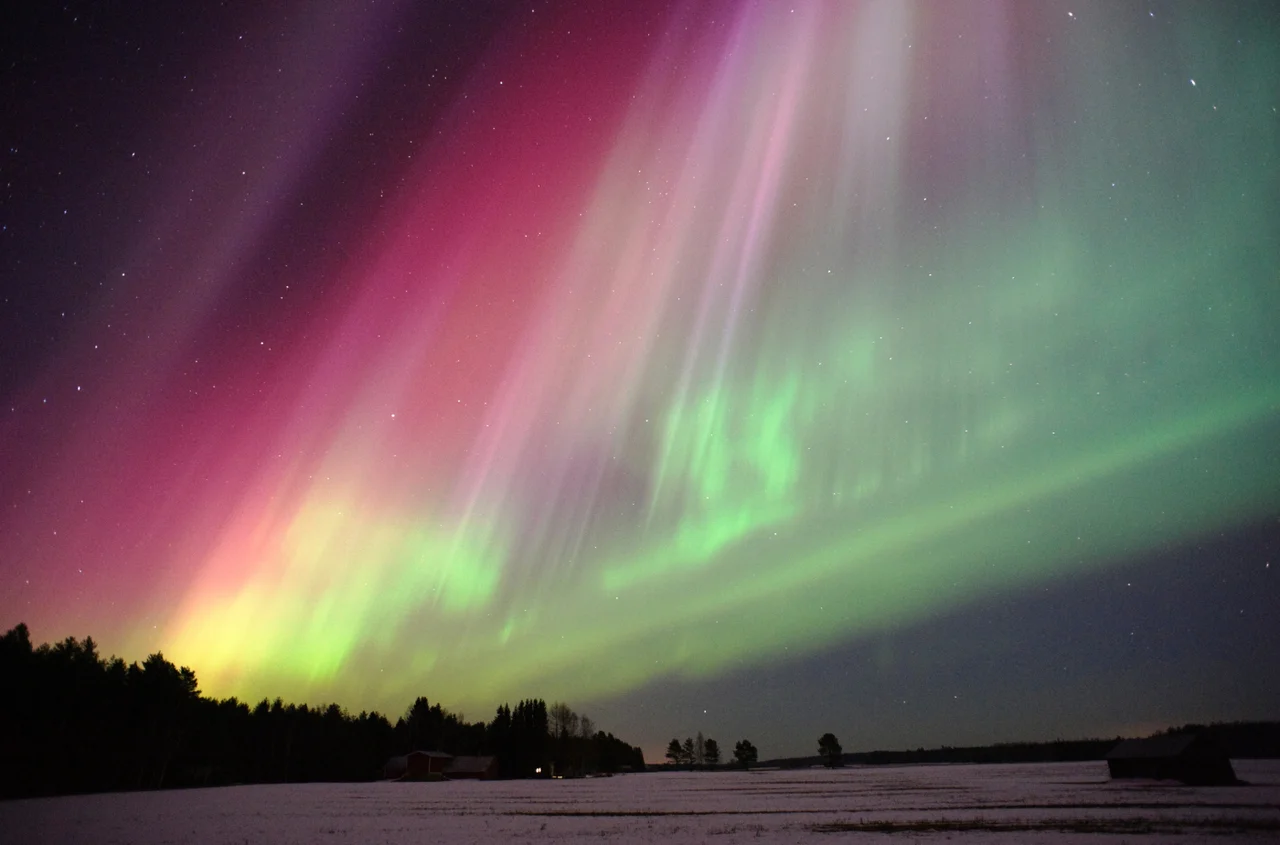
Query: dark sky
x=903 y=370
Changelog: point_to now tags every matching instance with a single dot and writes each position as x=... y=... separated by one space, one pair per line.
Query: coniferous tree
x=498 y=739
x=675 y=753
x=711 y=753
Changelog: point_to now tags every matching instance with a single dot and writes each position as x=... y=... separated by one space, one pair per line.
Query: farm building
x=1185 y=757
x=436 y=765
x=475 y=768
x=395 y=767
x=417 y=765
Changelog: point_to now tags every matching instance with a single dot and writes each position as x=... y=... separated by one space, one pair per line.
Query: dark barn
x=475 y=768
x=423 y=764
x=1183 y=757
x=395 y=767
x=417 y=765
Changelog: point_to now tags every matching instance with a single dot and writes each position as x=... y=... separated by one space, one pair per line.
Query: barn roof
x=430 y=754
x=471 y=764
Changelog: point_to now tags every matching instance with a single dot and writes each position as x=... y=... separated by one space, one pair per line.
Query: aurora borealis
x=596 y=351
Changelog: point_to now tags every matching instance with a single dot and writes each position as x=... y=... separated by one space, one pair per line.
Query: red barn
x=417 y=765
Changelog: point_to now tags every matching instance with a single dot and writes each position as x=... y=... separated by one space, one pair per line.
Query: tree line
x=1238 y=740
x=699 y=752
x=704 y=752
x=76 y=722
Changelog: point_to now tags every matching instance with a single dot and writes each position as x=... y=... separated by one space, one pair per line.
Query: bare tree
x=564 y=722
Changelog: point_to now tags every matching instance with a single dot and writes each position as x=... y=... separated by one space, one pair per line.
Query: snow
x=1037 y=803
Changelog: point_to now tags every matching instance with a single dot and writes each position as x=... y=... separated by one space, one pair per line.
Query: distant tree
x=829 y=747
x=498 y=739
x=16 y=643
x=564 y=722
x=566 y=756
x=420 y=727
x=615 y=755
x=166 y=696
x=711 y=752
x=688 y=752
x=699 y=750
x=675 y=754
x=586 y=749
x=745 y=753
x=529 y=735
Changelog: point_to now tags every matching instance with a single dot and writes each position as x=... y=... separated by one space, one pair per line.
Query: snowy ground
x=974 y=804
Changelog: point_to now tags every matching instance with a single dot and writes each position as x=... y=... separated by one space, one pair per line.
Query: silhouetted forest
x=1239 y=740
x=75 y=722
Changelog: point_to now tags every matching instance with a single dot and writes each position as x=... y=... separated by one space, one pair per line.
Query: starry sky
x=905 y=370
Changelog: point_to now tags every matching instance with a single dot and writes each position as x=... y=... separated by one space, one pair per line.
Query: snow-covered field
x=1008 y=804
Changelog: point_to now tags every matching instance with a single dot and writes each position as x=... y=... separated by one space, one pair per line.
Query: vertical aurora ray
x=899 y=304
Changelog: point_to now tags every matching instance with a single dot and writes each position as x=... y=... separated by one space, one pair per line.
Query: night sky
x=904 y=370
